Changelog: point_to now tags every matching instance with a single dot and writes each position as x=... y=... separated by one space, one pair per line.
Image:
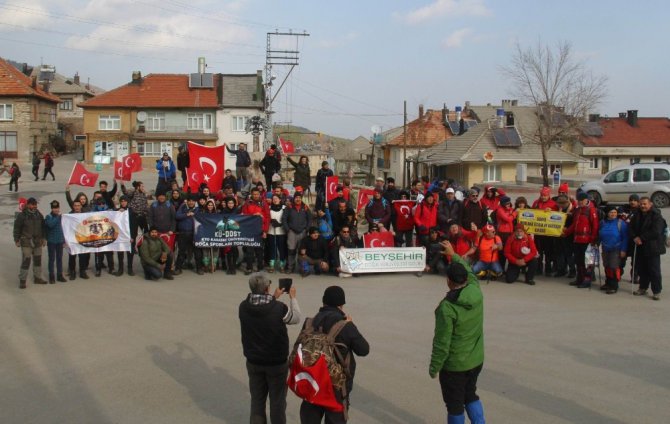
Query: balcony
x=175 y=132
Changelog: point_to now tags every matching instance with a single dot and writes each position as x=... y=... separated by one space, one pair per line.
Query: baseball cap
x=450 y=190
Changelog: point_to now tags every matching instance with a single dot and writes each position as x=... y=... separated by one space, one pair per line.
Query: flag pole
x=72 y=172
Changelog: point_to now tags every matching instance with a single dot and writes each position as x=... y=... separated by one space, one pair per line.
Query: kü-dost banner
x=542 y=223
x=384 y=259
x=106 y=231
x=219 y=230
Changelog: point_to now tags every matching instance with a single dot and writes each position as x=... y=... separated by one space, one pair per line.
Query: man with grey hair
x=265 y=343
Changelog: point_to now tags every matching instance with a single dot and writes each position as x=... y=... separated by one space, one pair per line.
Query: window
x=594 y=163
x=103 y=148
x=156 y=121
x=149 y=148
x=6 y=112
x=8 y=142
x=641 y=175
x=52 y=114
x=661 y=174
x=199 y=121
x=109 y=122
x=491 y=173
x=395 y=155
x=232 y=146
x=66 y=104
x=239 y=123
x=620 y=176
x=658 y=159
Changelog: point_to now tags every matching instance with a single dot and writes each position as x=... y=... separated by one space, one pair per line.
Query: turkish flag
x=169 y=239
x=403 y=213
x=331 y=187
x=206 y=165
x=287 y=146
x=121 y=172
x=80 y=176
x=313 y=383
x=378 y=239
x=132 y=163
x=364 y=196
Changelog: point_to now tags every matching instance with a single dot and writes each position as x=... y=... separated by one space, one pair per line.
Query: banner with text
x=542 y=223
x=106 y=231
x=394 y=259
x=219 y=230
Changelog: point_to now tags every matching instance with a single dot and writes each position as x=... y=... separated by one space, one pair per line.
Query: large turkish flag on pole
x=331 y=187
x=206 y=165
x=287 y=146
x=80 y=176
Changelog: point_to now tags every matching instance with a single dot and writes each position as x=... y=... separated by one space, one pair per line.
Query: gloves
x=275 y=223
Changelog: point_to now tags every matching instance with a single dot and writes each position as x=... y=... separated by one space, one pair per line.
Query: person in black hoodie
x=108 y=195
x=183 y=160
x=349 y=341
x=313 y=252
x=265 y=344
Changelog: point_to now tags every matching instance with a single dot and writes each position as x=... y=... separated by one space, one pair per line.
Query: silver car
x=643 y=179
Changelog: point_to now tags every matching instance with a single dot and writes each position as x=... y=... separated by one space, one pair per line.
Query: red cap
x=563 y=188
x=546 y=191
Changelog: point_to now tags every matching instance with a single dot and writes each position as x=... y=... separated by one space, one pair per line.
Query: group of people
x=14 y=170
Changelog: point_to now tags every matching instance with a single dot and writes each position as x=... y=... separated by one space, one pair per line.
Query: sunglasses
x=344 y=232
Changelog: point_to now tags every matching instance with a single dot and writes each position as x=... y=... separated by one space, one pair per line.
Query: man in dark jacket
x=339 y=196
x=473 y=211
x=320 y=184
x=185 y=225
x=156 y=257
x=242 y=164
x=313 y=252
x=55 y=241
x=36 y=166
x=162 y=215
x=270 y=165
x=349 y=340
x=342 y=215
x=183 y=160
x=30 y=236
x=378 y=210
x=108 y=195
x=449 y=211
x=265 y=343
x=646 y=230
x=296 y=219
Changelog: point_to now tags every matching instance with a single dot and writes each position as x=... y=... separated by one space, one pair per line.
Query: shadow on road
x=213 y=390
x=381 y=409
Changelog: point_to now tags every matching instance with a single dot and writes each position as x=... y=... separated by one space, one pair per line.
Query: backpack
x=317 y=367
x=666 y=233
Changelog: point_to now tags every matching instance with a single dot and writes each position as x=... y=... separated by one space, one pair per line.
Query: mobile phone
x=285 y=284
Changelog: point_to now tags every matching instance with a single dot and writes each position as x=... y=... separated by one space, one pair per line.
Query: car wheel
x=660 y=200
x=595 y=196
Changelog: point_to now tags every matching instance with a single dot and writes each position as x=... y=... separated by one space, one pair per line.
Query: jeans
x=152 y=272
x=487 y=266
x=264 y=381
x=459 y=388
x=55 y=252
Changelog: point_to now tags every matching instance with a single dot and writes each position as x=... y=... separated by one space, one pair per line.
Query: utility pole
x=275 y=58
x=404 y=146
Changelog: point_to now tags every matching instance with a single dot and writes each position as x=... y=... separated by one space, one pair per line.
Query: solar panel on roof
x=506 y=137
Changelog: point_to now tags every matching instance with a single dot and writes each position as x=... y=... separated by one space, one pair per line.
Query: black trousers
x=314 y=414
x=267 y=381
x=649 y=270
x=48 y=171
x=84 y=259
x=514 y=270
x=36 y=172
x=254 y=252
x=459 y=388
x=186 y=250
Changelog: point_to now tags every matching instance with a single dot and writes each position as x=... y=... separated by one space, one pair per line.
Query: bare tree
x=560 y=86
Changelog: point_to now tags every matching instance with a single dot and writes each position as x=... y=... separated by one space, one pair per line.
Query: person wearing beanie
x=613 y=237
x=55 y=242
x=313 y=253
x=124 y=202
x=296 y=219
x=265 y=344
x=584 y=229
x=458 y=342
x=350 y=342
x=545 y=245
x=270 y=165
x=378 y=209
x=563 y=246
x=520 y=251
x=320 y=184
x=185 y=228
x=491 y=198
x=256 y=206
x=425 y=218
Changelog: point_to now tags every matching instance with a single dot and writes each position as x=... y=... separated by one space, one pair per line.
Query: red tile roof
x=425 y=132
x=14 y=83
x=649 y=132
x=157 y=91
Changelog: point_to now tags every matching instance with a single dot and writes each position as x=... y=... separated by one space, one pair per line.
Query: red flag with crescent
x=169 y=239
x=287 y=146
x=312 y=382
x=206 y=165
x=403 y=213
x=364 y=196
x=121 y=172
x=331 y=187
x=132 y=163
x=378 y=239
x=80 y=176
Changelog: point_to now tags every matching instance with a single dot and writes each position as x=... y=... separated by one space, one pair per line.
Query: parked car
x=644 y=179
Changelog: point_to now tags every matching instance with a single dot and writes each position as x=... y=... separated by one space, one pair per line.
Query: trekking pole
x=632 y=278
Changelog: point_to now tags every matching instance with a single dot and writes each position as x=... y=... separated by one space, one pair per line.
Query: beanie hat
x=457 y=273
x=505 y=200
x=489 y=227
x=610 y=208
x=546 y=191
x=582 y=196
x=563 y=188
x=634 y=197
x=520 y=226
x=334 y=296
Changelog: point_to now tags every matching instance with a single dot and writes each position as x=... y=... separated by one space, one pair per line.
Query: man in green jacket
x=156 y=257
x=458 y=343
x=30 y=236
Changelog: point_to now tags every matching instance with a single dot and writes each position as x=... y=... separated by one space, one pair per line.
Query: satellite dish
x=376 y=129
x=141 y=116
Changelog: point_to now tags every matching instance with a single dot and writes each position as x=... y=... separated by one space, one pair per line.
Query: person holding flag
x=302 y=176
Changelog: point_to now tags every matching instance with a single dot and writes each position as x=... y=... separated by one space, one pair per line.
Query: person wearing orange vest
x=489 y=245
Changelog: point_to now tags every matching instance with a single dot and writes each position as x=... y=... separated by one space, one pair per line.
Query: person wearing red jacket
x=584 y=229
x=520 y=251
x=505 y=216
x=464 y=242
x=425 y=218
x=492 y=199
x=545 y=244
x=256 y=206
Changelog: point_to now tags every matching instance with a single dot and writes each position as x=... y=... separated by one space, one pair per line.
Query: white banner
x=383 y=259
x=106 y=231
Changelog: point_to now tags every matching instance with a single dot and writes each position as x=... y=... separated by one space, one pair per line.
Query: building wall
x=94 y=134
x=224 y=126
x=34 y=122
x=76 y=111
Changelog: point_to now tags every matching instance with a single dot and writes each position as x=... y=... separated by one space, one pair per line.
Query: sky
x=361 y=60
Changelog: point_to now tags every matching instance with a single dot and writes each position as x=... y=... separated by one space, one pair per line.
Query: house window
x=491 y=173
x=156 y=121
x=66 y=104
x=8 y=142
x=395 y=155
x=594 y=163
x=658 y=159
x=199 y=121
x=232 y=146
x=52 y=114
x=109 y=122
x=103 y=148
x=149 y=148
x=239 y=123
x=6 y=112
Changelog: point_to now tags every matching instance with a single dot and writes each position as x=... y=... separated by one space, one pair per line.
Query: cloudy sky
x=362 y=58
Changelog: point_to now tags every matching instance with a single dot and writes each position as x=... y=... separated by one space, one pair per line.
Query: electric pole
x=404 y=145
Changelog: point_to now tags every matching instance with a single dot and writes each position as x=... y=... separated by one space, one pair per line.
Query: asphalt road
x=123 y=350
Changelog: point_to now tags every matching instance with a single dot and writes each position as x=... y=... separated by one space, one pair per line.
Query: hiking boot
x=83 y=274
x=584 y=285
x=38 y=280
x=200 y=271
x=22 y=284
x=530 y=282
x=177 y=271
x=52 y=279
x=640 y=292
x=481 y=274
x=130 y=271
x=248 y=271
x=657 y=296
x=168 y=276
x=572 y=274
x=72 y=275
x=119 y=272
x=611 y=291
x=271 y=266
x=98 y=272
x=61 y=279
x=604 y=288
x=344 y=275
x=574 y=283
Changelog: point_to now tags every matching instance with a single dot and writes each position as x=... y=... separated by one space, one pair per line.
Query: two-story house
x=27 y=114
x=151 y=115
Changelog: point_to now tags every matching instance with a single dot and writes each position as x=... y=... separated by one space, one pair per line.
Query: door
x=606 y=165
x=642 y=183
x=616 y=186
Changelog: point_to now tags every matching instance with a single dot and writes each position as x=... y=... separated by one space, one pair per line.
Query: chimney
x=33 y=82
x=137 y=76
x=76 y=78
x=444 y=113
x=515 y=103
x=420 y=111
x=594 y=117
x=632 y=118
x=467 y=105
x=506 y=104
x=622 y=114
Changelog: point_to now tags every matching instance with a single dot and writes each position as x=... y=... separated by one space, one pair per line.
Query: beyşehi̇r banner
x=105 y=231
x=394 y=259
x=219 y=230
x=542 y=223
